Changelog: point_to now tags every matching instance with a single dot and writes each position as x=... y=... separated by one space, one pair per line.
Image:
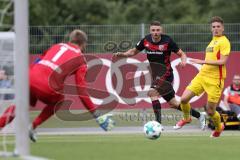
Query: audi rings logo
x=129 y=80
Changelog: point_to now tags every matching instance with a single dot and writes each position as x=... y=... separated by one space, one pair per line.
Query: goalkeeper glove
x=105 y=122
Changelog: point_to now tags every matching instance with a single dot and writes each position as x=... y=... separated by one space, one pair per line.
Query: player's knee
x=173 y=106
x=152 y=93
x=149 y=94
x=210 y=111
x=173 y=103
x=184 y=100
x=187 y=96
x=211 y=108
x=154 y=98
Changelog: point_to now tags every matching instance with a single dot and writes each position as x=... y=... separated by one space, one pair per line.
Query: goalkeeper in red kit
x=47 y=78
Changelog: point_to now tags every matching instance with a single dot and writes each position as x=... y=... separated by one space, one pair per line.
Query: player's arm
x=222 y=61
x=132 y=52
x=104 y=121
x=183 y=57
x=81 y=87
x=225 y=49
x=174 y=48
x=129 y=53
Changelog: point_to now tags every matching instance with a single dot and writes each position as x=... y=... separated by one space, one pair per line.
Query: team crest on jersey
x=215 y=42
x=209 y=49
x=163 y=47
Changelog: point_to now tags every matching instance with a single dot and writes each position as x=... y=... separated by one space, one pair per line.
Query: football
x=152 y=130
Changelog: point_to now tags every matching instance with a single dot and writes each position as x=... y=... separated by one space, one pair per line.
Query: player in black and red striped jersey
x=158 y=48
x=47 y=78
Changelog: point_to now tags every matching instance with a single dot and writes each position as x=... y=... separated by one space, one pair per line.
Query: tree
x=66 y=12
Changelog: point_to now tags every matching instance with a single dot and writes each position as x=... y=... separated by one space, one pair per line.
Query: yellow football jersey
x=218 y=46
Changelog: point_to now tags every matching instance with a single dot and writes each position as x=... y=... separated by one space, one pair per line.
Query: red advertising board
x=128 y=80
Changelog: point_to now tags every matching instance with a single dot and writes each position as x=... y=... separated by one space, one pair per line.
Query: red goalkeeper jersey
x=59 y=62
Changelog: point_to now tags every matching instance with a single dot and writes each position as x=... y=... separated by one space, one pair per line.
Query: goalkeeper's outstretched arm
x=104 y=121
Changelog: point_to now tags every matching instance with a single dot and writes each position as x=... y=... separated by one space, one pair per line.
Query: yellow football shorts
x=211 y=86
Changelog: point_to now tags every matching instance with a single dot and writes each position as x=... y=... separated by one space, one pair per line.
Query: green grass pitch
x=137 y=147
x=170 y=146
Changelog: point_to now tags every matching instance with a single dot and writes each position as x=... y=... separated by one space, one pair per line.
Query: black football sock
x=193 y=112
x=157 y=110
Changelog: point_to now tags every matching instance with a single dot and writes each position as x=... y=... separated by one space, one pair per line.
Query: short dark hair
x=155 y=23
x=78 y=37
x=216 y=19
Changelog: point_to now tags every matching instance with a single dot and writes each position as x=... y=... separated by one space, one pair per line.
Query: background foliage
x=66 y=12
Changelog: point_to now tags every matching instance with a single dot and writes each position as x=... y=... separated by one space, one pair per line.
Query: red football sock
x=7 y=116
x=46 y=113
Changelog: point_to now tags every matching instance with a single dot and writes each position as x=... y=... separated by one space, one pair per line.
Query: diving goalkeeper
x=47 y=78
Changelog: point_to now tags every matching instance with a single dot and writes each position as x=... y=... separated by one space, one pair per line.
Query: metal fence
x=110 y=38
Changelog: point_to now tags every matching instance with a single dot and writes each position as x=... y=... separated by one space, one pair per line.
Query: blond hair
x=78 y=37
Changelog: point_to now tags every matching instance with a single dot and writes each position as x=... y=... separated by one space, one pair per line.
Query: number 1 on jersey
x=59 y=53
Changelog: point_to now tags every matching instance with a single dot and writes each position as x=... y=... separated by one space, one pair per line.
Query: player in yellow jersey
x=210 y=78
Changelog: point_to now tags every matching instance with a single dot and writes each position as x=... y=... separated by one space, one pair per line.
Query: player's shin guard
x=193 y=112
x=186 y=110
x=157 y=110
x=216 y=119
x=7 y=116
